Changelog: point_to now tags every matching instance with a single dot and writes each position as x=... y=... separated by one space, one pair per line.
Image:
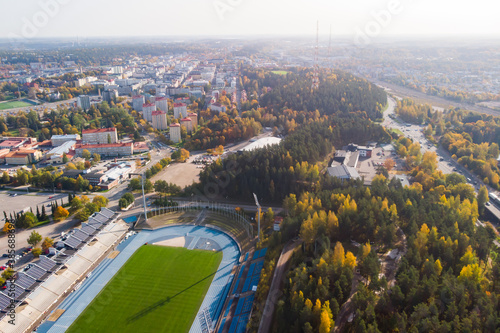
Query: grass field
x=279 y=72
x=159 y=289
x=13 y=104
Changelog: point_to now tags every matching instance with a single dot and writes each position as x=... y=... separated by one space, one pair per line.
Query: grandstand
x=42 y=283
x=235 y=317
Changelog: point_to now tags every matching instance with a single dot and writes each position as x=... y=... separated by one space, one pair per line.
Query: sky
x=30 y=19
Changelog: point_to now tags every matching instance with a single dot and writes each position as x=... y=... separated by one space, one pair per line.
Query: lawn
x=13 y=104
x=159 y=289
x=279 y=72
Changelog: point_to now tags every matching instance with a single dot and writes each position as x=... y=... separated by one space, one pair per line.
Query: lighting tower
x=258 y=216
x=315 y=80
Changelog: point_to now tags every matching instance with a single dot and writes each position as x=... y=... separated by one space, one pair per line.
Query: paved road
x=437 y=101
x=274 y=290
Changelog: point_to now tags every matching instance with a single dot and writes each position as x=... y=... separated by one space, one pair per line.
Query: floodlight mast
x=258 y=217
x=143 y=196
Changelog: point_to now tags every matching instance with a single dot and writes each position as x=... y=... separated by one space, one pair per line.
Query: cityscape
x=238 y=167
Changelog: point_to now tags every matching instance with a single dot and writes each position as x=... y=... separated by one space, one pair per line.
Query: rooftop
x=261 y=143
x=103 y=145
x=175 y=125
x=158 y=112
x=99 y=130
x=176 y=105
x=343 y=171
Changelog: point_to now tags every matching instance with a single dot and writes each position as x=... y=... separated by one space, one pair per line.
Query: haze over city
x=93 y=18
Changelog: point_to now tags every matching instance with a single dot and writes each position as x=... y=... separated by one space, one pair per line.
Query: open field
x=181 y=174
x=13 y=104
x=159 y=289
x=280 y=72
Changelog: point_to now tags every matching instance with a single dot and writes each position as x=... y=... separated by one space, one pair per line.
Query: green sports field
x=280 y=72
x=159 y=289
x=13 y=104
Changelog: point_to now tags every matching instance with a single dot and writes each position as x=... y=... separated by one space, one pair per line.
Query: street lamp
x=143 y=196
x=258 y=216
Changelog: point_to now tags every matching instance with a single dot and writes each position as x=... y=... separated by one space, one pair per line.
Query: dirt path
x=274 y=291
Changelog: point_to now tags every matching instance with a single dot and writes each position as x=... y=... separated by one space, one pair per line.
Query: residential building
x=161 y=103
x=83 y=101
x=180 y=110
x=110 y=95
x=147 y=111
x=194 y=119
x=107 y=149
x=137 y=102
x=159 y=119
x=186 y=122
x=175 y=132
x=99 y=136
x=217 y=107
x=58 y=140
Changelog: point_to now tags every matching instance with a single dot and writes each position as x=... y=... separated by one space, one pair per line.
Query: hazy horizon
x=373 y=19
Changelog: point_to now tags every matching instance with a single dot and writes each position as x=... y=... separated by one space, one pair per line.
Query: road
x=274 y=290
x=415 y=132
x=435 y=100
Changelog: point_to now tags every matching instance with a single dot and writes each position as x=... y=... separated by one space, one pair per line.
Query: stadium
x=188 y=269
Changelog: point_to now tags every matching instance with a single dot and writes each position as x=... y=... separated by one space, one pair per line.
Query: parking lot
x=367 y=167
x=22 y=200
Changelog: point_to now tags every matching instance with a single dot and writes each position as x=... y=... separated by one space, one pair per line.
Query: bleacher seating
x=236 y=286
x=228 y=307
x=250 y=271
x=234 y=323
x=241 y=271
x=239 y=306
